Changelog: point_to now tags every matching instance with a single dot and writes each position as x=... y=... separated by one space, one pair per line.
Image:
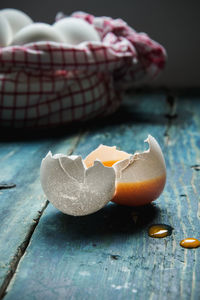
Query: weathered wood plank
x=182 y=153
x=98 y=254
x=20 y=207
x=108 y=255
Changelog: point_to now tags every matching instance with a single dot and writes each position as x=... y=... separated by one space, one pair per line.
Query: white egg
x=5 y=32
x=80 y=187
x=16 y=18
x=76 y=30
x=37 y=32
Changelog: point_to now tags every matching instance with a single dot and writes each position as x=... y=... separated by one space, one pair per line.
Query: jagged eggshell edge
x=142 y=166
x=146 y=168
x=74 y=189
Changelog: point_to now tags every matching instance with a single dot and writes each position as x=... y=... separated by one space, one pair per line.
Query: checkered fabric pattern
x=46 y=84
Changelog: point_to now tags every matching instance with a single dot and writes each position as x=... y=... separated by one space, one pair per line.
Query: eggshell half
x=76 y=30
x=140 y=178
x=143 y=179
x=5 y=32
x=37 y=32
x=78 y=187
x=16 y=18
x=74 y=189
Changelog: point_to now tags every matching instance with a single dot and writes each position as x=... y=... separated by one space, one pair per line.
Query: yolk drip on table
x=159 y=231
x=190 y=243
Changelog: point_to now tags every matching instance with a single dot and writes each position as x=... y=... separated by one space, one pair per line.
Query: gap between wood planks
x=24 y=245
x=171 y=115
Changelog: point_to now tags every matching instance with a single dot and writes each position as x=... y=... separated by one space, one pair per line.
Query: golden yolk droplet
x=159 y=231
x=190 y=243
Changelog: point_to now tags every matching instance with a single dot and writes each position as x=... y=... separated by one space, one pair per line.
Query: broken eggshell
x=140 y=178
x=74 y=189
x=78 y=187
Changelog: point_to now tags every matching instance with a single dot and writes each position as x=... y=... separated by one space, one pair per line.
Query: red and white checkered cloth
x=46 y=83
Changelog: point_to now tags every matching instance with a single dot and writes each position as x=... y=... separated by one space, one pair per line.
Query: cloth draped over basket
x=44 y=84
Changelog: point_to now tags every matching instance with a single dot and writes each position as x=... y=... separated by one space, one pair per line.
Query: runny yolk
x=109 y=163
x=159 y=231
x=136 y=193
x=190 y=243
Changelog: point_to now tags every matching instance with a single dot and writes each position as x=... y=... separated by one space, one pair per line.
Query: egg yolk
x=109 y=163
x=160 y=231
x=190 y=243
x=137 y=193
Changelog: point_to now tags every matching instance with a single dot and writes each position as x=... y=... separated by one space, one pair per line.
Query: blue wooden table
x=45 y=254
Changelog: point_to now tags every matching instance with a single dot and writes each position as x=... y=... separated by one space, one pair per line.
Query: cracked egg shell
x=140 y=178
x=74 y=189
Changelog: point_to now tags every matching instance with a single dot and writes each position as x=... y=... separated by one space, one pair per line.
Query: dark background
x=173 y=23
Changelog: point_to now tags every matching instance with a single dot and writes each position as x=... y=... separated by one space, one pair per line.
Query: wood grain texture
x=109 y=255
x=20 y=207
